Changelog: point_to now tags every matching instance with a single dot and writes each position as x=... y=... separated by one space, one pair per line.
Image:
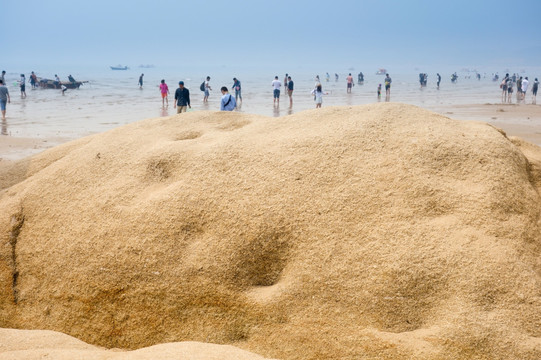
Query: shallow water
x=113 y=98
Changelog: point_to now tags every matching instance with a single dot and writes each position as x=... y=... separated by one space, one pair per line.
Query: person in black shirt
x=182 y=98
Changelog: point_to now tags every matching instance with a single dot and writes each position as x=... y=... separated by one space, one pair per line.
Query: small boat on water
x=381 y=72
x=51 y=84
x=147 y=66
x=119 y=67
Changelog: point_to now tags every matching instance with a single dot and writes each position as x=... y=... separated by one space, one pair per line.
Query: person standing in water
x=285 y=80
x=503 y=86
x=164 y=90
x=525 y=84
x=534 y=90
x=22 y=84
x=141 y=81
x=237 y=88
x=4 y=98
x=33 y=80
x=318 y=95
x=388 y=82
x=379 y=92
x=349 y=81
x=276 y=90
x=207 y=89
x=439 y=80
x=290 y=86
x=3 y=77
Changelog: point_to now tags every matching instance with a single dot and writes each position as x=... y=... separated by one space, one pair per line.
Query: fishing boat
x=119 y=67
x=381 y=72
x=51 y=84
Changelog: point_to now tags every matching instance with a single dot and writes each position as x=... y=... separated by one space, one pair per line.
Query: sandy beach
x=374 y=231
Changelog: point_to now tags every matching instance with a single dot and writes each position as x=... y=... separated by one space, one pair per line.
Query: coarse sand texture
x=370 y=232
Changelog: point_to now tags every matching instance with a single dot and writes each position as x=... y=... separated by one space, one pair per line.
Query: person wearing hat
x=182 y=98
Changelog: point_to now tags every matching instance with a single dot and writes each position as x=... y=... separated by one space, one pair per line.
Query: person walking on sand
x=182 y=98
x=207 y=89
x=237 y=87
x=534 y=90
x=388 y=82
x=228 y=102
x=22 y=84
x=290 y=86
x=318 y=95
x=525 y=84
x=276 y=85
x=141 y=81
x=4 y=98
x=164 y=90
x=349 y=81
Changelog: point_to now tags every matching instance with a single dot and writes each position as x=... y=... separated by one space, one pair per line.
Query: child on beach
x=318 y=96
x=64 y=88
x=164 y=90
x=379 y=91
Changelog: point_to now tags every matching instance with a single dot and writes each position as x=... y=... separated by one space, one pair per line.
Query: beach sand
x=380 y=231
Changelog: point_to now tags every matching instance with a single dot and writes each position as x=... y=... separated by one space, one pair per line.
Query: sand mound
x=381 y=231
x=40 y=344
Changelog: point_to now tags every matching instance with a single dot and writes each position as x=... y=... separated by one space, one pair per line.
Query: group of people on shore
x=522 y=85
x=182 y=95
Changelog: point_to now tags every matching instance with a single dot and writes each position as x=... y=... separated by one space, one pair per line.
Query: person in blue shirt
x=228 y=102
x=236 y=87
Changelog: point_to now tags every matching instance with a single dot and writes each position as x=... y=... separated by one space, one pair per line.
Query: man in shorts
x=388 y=82
x=182 y=98
x=349 y=80
x=4 y=98
x=525 y=84
x=290 y=86
x=276 y=86
x=207 y=89
x=510 y=84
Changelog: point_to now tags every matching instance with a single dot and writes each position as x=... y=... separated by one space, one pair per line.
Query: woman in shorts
x=164 y=90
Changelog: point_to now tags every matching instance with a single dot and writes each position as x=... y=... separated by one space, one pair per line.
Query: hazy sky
x=261 y=33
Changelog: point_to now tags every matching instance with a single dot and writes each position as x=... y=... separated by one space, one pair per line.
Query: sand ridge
x=378 y=231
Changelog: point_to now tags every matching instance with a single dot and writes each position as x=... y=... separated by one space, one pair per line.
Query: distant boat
x=147 y=66
x=119 y=67
x=381 y=72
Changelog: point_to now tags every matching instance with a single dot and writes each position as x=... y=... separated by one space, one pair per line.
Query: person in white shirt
x=525 y=84
x=276 y=84
x=207 y=89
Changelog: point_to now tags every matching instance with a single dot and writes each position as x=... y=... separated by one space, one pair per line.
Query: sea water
x=113 y=98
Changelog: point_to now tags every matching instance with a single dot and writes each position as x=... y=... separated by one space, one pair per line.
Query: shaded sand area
x=43 y=344
x=381 y=231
